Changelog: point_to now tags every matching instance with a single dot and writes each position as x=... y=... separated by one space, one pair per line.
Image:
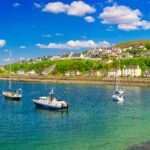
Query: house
x=73 y=73
x=146 y=73
x=55 y=57
x=31 y=72
x=132 y=70
x=94 y=73
x=129 y=56
x=107 y=61
x=76 y=56
x=97 y=73
x=20 y=72
x=66 y=56
x=114 y=73
x=146 y=54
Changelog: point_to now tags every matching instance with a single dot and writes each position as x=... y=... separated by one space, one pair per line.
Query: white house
x=146 y=73
x=77 y=56
x=20 y=72
x=31 y=72
x=132 y=70
x=73 y=73
x=114 y=73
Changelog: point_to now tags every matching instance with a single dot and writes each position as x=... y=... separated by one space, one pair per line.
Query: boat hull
x=9 y=97
x=48 y=107
x=12 y=98
x=117 y=98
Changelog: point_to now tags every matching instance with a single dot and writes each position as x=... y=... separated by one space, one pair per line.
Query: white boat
x=52 y=92
x=118 y=92
x=50 y=103
x=117 y=97
x=12 y=94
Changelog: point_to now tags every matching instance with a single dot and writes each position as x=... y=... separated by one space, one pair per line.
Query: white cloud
x=59 y=34
x=77 y=44
x=89 y=19
x=22 y=46
x=76 y=8
x=124 y=17
x=104 y=44
x=79 y=8
x=37 y=5
x=16 y=5
x=2 y=43
x=6 y=59
x=145 y=25
x=56 y=7
x=22 y=58
x=46 y=35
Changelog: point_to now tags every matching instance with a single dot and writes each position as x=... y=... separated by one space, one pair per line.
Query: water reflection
x=52 y=113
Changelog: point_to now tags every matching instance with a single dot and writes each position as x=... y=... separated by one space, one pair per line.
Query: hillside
x=132 y=43
x=61 y=66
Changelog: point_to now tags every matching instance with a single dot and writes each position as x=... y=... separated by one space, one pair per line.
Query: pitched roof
x=65 y=56
x=75 y=55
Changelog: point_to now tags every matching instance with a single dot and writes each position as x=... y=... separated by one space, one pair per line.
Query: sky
x=34 y=28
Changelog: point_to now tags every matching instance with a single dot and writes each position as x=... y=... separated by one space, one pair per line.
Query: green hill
x=131 y=43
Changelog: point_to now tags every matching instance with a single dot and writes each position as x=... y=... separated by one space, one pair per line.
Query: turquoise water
x=93 y=120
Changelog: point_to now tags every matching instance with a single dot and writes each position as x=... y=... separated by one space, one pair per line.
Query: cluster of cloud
x=59 y=34
x=49 y=35
x=124 y=17
x=77 y=44
x=37 y=5
x=16 y=5
x=23 y=47
x=2 y=42
x=76 y=8
x=89 y=19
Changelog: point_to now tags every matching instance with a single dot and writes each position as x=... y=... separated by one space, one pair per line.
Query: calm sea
x=93 y=121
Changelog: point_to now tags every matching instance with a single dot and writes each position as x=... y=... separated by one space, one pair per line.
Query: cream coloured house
x=73 y=73
x=114 y=73
x=132 y=71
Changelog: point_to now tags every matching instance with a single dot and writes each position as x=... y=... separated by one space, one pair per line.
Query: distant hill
x=132 y=43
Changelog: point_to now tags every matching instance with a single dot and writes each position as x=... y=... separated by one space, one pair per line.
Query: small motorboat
x=50 y=102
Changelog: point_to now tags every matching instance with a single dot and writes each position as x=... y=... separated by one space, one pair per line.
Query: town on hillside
x=96 y=62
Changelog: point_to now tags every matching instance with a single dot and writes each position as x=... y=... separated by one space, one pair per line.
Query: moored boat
x=50 y=102
x=118 y=97
x=118 y=93
x=12 y=95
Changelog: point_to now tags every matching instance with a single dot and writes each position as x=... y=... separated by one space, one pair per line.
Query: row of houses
x=97 y=73
x=128 y=71
x=132 y=71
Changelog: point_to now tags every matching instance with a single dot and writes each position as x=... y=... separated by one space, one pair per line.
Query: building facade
x=132 y=71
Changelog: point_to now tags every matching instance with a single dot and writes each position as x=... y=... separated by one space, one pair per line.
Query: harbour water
x=93 y=120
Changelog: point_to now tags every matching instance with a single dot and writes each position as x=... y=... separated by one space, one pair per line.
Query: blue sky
x=32 y=28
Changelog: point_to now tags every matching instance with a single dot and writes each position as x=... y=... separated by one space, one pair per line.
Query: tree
x=147 y=46
x=104 y=57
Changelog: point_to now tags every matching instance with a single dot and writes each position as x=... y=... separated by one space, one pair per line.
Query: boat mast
x=10 y=70
x=117 y=73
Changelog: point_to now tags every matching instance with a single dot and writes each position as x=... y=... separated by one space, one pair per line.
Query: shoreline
x=144 y=82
